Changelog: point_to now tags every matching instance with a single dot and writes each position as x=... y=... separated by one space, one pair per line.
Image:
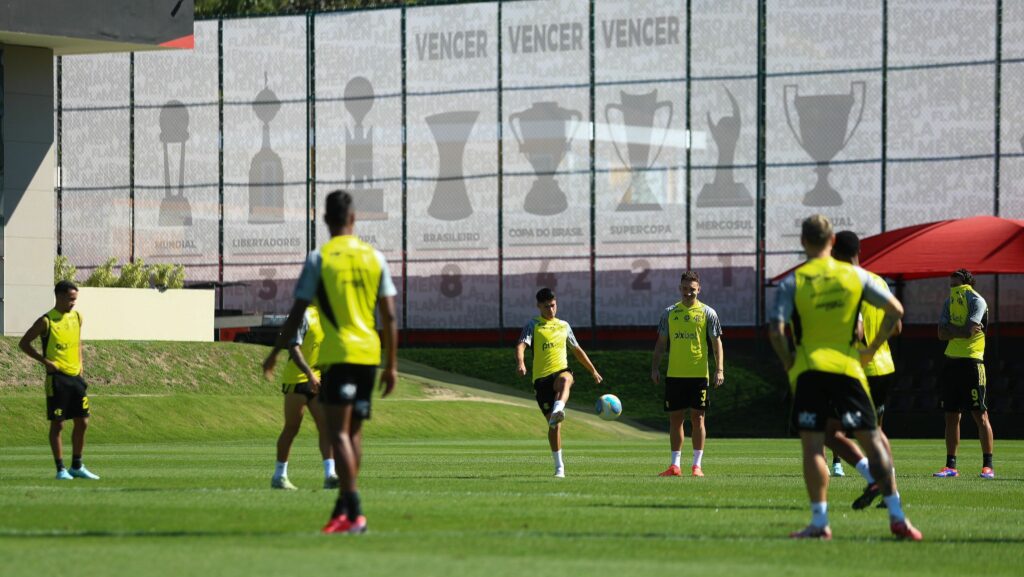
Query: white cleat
x=556 y=417
x=837 y=470
x=282 y=482
x=559 y=473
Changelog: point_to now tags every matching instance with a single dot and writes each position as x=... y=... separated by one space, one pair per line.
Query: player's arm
x=286 y=336
x=948 y=331
x=295 y=353
x=389 y=334
x=781 y=314
x=81 y=354
x=584 y=360
x=716 y=346
x=25 y=344
x=659 y=351
x=893 y=313
x=780 y=344
x=521 y=359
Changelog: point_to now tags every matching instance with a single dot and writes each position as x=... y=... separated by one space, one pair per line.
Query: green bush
x=170 y=276
x=134 y=275
x=63 y=269
x=103 y=276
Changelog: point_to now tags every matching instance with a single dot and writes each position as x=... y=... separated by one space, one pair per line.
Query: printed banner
x=630 y=290
x=943 y=31
x=728 y=284
x=546 y=133
x=359 y=121
x=268 y=289
x=452 y=131
x=265 y=138
x=640 y=128
x=176 y=153
x=95 y=160
x=452 y=295
x=569 y=278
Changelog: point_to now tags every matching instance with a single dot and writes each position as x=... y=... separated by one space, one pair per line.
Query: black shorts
x=686 y=393
x=298 y=389
x=544 y=391
x=821 y=396
x=346 y=384
x=66 y=397
x=962 y=385
x=880 y=387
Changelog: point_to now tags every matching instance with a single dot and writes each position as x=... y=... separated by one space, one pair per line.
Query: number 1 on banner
x=641 y=268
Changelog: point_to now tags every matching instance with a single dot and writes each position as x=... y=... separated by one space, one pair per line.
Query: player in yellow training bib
x=962 y=382
x=61 y=333
x=550 y=338
x=821 y=300
x=686 y=329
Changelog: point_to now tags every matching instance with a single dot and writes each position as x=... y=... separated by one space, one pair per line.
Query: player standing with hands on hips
x=686 y=328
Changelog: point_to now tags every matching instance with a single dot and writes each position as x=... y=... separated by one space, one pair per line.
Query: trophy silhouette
x=266 y=174
x=544 y=141
x=724 y=191
x=638 y=112
x=174 y=208
x=451 y=132
x=369 y=201
x=823 y=133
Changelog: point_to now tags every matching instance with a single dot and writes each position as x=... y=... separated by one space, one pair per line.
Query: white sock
x=865 y=470
x=558 y=406
x=697 y=456
x=676 y=457
x=328 y=468
x=819 y=514
x=556 y=456
x=892 y=502
x=281 y=469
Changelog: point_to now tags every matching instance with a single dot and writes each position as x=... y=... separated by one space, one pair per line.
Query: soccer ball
x=609 y=407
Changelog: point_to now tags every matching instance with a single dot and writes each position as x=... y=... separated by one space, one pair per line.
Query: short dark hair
x=64 y=287
x=544 y=295
x=339 y=204
x=816 y=230
x=964 y=275
x=847 y=245
x=688 y=276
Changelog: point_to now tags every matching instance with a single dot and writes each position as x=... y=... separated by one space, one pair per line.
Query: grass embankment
x=144 y=392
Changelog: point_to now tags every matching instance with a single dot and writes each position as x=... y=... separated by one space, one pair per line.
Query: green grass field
x=456 y=481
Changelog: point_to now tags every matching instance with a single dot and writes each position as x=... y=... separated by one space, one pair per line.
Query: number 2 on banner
x=641 y=268
x=269 y=290
x=451 y=281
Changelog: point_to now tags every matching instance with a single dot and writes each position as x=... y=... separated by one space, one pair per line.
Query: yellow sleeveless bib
x=549 y=350
x=687 y=352
x=350 y=277
x=881 y=363
x=61 y=339
x=310 y=348
x=969 y=348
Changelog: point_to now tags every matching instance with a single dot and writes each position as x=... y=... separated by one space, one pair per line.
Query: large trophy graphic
x=637 y=112
x=369 y=201
x=823 y=120
x=174 y=208
x=266 y=174
x=451 y=132
x=724 y=191
x=544 y=140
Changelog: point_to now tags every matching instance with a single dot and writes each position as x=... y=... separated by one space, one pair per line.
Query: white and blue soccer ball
x=609 y=407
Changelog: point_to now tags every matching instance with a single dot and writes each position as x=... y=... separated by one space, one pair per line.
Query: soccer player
x=300 y=384
x=686 y=328
x=348 y=279
x=60 y=331
x=552 y=380
x=962 y=381
x=821 y=299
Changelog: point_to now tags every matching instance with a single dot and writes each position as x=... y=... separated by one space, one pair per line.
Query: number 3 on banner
x=642 y=268
x=451 y=281
x=269 y=290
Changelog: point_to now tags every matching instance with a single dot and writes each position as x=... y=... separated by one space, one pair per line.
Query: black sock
x=76 y=461
x=836 y=460
x=339 y=507
x=986 y=460
x=951 y=461
x=353 y=506
x=60 y=464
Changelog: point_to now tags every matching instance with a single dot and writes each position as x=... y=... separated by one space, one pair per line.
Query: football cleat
x=282 y=482
x=987 y=473
x=342 y=524
x=559 y=473
x=837 y=470
x=812 y=532
x=871 y=492
x=63 y=475
x=331 y=482
x=904 y=530
x=556 y=417
x=946 y=472
x=672 y=471
x=335 y=524
x=696 y=471
x=83 y=473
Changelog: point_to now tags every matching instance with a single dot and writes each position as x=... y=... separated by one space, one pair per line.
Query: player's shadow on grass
x=684 y=506
x=68 y=534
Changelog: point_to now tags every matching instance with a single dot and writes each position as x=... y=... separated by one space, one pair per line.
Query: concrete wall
x=27 y=232
x=146 y=314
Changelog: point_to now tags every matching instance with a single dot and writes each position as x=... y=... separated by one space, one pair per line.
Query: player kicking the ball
x=552 y=379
